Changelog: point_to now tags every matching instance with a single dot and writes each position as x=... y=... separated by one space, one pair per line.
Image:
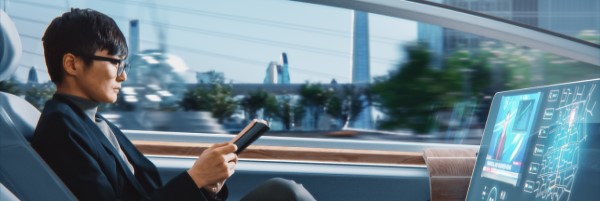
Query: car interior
x=539 y=143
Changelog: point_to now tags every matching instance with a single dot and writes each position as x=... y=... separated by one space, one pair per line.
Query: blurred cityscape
x=440 y=92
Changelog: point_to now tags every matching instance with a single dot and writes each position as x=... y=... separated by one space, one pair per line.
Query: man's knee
x=280 y=189
x=282 y=184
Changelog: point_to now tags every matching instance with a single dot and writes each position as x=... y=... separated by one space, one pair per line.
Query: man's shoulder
x=58 y=115
x=55 y=108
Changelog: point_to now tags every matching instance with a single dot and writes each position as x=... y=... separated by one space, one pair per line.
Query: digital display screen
x=504 y=159
x=541 y=144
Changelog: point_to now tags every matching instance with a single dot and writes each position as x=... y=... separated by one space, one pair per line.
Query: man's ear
x=70 y=64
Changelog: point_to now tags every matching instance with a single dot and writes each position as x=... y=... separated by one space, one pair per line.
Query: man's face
x=99 y=81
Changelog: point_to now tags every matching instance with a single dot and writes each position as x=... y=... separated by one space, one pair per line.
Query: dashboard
x=541 y=144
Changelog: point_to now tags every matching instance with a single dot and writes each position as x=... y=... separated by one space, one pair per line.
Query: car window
x=311 y=70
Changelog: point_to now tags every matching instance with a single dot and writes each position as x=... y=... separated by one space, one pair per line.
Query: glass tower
x=360 y=64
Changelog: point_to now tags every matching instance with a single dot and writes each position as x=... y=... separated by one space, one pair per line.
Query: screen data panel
x=541 y=144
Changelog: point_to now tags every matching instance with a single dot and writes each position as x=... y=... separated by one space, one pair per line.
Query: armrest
x=449 y=172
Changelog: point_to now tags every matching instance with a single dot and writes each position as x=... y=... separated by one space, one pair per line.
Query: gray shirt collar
x=90 y=108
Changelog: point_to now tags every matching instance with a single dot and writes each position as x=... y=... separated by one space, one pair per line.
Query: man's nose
x=122 y=77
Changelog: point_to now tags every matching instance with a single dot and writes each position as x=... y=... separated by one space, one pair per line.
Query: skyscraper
x=360 y=64
x=525 y=12
x=360 y=49
x=278 y=73
x=271 y=74
x=284 y=70
x=431 y=35
x=566 y=17
x=442 y=41
x=32 y=78
x=134 y=37
x=571 y=17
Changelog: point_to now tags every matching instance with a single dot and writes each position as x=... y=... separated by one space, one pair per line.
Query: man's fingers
x=230 y=168
x=229 y=148
x=217 y=145
x=230 y=157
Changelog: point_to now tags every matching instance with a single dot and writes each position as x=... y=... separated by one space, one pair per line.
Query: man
x=85 y=52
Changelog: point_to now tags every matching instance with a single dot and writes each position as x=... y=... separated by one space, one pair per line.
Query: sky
x=236 y=37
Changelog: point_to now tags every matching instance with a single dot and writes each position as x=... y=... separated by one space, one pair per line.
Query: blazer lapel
x=146 y=175
x=107 y=145
x=111 y=149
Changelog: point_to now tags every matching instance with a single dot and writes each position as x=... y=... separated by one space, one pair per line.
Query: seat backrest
x=22 y=170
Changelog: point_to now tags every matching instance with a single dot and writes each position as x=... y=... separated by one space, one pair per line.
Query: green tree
x=254 y=101
x=298 y=112
x=466 y=78
x=217 y=99
x=313 y=97
x=9 y=87
x=407 y=96
x=356 y=100
x=346 y=107
x=510 y=65
x=412 y=95
x=335 y=108
x=272 y=107
x=282 y=109
x=37 y=95
x=195 y=99
x=466 y=75
x=223 y=105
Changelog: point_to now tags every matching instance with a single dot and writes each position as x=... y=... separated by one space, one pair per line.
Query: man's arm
x=208 y=168
x=75 y=156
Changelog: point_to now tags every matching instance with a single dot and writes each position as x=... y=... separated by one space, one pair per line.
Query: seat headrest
x=22 y=116
x=10 y=47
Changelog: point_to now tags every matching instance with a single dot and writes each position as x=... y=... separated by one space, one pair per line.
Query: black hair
x=80 y=31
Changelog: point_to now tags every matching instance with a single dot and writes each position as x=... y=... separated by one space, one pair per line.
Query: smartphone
x=249 y=134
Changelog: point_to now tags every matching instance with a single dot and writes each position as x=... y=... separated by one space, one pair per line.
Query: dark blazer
x=79 y=153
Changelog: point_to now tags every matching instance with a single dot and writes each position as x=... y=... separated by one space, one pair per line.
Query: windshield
x=313 y=70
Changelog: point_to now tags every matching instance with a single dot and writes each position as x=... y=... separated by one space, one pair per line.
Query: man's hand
x=214 y=166
x=215 y=188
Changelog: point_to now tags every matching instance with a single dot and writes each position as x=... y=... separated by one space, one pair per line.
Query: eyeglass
x=122 y=65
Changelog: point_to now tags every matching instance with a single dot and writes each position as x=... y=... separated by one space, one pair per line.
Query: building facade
x=360 y=64
x=570 y=18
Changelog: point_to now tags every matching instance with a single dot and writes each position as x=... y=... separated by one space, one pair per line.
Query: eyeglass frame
x=122 y=64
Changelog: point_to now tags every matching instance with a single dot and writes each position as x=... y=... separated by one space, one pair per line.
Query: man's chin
x=109 y=99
